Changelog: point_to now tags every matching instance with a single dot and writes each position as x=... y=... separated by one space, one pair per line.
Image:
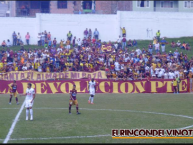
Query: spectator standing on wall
x=14 y=35
x=163 y=44
x=96 y=34
x=27 y=36
x=90 y=33
x=49 y=36
x=18 y=39
x=86 y=33
x=158 y=35
x=123 y=31
x=43 y=39
x=69 y=36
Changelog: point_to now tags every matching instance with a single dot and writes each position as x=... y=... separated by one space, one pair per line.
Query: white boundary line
x=13 y=124
x=186 y=127
x=67 y=137
x=184 y=116
x=8 y=108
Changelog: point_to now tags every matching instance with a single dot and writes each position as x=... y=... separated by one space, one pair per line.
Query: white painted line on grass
x=9 y=108
x=157 y=113
x=66 y=137
x=13 y=124
x=186 y=127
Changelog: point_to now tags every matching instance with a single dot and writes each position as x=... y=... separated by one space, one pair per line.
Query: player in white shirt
x=91 y=88
x=29 y=100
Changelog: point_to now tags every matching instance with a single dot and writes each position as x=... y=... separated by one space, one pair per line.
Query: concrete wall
x=136 y=24
x=170 y=24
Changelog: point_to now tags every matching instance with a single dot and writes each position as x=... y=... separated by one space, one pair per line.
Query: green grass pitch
x=53 y=124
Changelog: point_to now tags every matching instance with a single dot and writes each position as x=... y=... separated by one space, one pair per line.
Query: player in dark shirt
x=13 y=92
x=73 y=100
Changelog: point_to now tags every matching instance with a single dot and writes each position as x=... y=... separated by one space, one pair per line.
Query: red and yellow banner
x=103 y=86
x=38 y=76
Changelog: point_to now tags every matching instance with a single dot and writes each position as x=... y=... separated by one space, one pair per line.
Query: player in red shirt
x=73 y=100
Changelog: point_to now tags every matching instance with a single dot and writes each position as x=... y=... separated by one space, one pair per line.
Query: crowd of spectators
x=88 y=54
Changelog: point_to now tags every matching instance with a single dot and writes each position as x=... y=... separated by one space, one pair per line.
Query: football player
x=13 y=92
x=29 y=100
x=91 y=88
x=73 y=100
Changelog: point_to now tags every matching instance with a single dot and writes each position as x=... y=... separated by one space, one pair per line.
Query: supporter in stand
x=91 y=55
